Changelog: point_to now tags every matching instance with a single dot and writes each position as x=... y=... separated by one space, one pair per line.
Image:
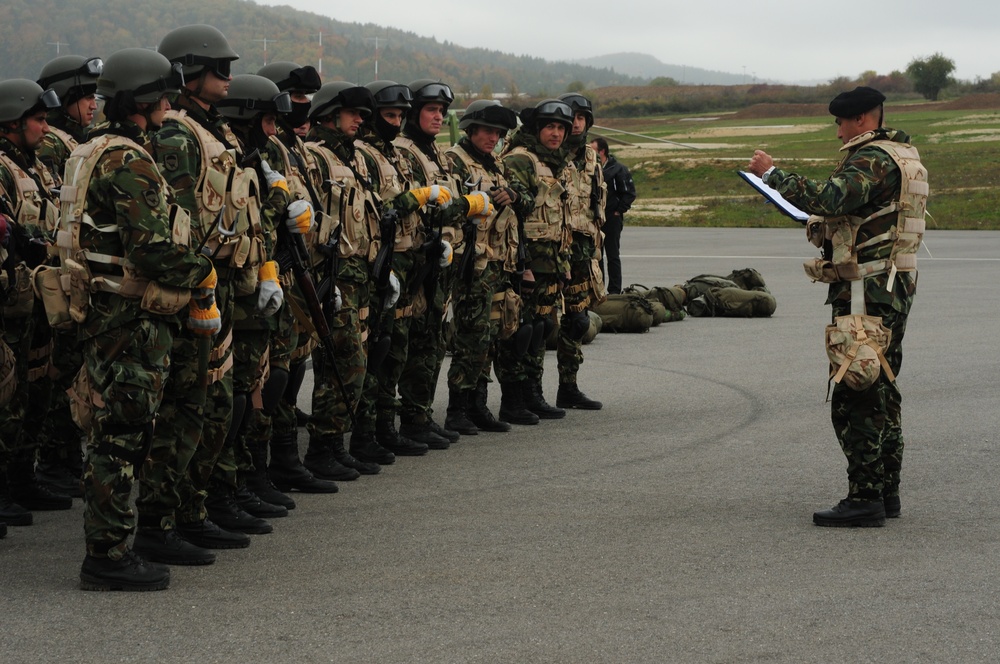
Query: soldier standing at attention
x=483 y=268
x=539 y=162
x=203 y=163
x=144 y=274
x=585 y=287
x=869 y=219
x=74 y=79
x=31 y=208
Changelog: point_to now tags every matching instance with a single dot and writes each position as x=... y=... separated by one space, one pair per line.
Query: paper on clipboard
x=783 y=206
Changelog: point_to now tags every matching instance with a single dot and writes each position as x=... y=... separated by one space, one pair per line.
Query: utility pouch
x=510 y=313
x=856 y=347
x=164 y=300
x=20 y=295
x=47 y=282
x=83 y=401
x=79 y=288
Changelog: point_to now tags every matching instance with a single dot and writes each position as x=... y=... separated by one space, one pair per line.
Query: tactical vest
x=349 y=203
x=586 y=214
x=496 y=235
x=434 y=174
x=296 y=179
x=905 y=235
x=66 y=138
x=223 y=182
x=83 y=271
x=393 y=180
x=32 y=207
x=550 y=218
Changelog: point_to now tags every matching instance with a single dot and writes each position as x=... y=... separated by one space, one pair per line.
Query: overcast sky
x=782 y=40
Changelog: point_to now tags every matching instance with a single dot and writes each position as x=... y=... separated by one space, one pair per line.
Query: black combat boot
x=536 y=403
x=132 y=572
x=323 y=463
x=389 y=438
x=345 y=458
x=480 y=413
x=258 y=481
x=166 y=546
x=512 y=408
x=421 y=432
x=253 y=505
x=208 y=535
x=287 y=471
x=444 y=432
x=366 y=449
x=223 y=510
x=3 y=530
x=27 y=492
x=892 y=506
x=851 y=514
x=457 y=417
x=570 y=396
x=11 y=513
x=61 y=476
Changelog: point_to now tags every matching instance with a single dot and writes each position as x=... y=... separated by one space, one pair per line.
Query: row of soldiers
x=169 y=273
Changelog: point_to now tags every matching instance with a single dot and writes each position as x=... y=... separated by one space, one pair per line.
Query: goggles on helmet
x=280 y=103
x=435 y=92
x=394 y=96
x=49 y=99
x=92 y=68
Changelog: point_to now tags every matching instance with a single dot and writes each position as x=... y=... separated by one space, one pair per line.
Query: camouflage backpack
x=711 y=295
x=670 y=299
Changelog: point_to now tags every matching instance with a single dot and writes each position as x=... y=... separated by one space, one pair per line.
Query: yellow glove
x=274 y=178
x=299 y=217
x=270 y=296
x=204 y=292
x=204 y=322
x=479 y=204
x=435 y=194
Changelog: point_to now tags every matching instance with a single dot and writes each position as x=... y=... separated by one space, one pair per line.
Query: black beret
x=856 y=102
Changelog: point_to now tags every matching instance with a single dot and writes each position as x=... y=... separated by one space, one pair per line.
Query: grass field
x=695 y=183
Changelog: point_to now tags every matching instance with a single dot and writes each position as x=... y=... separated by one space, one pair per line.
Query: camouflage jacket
x=128 y=191
x=392 y=178
x=430 y=154
x=57 y=145
x=866 y=180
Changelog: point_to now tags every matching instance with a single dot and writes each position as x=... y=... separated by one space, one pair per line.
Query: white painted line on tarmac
x=791 y=258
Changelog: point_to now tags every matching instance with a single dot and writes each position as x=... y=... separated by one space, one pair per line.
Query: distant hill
x=33 y=31
x=648 y=67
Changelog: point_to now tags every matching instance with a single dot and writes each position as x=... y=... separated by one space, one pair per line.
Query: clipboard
x=773 y=196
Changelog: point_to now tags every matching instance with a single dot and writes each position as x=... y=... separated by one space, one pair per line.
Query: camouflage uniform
x=200 y=415
x=867 y=423
x=548 y=259
x=127 y=348
x=25 y=185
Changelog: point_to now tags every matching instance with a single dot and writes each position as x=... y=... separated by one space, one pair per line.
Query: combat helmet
x=20 y=97
x=199 y=47
x=580 y=104
x=488 y=113
x=72 y=77
x=250 y=94
x=146 y=75
x=289 y=76
x=336 y=95
x=389 y=94
x=548 y=110
x=426 y=90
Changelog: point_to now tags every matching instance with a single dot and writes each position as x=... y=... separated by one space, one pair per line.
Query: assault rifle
x=293 y=250
x=379 y=341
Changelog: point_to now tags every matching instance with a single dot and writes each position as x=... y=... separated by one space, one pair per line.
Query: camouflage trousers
x=541 y=301
x=330 y=412
x=406 y=266
x=217 y=412
x=130 y=383
x=425 y=354
x=59 y=443
x=475 y=335
x=579 y=295
x=868 y=423
x=22 y=419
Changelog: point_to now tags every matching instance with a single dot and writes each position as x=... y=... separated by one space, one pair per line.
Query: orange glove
x=435 y=194
x=270 y=297
x=204 y=293
x=479 y=204
x=204 y=322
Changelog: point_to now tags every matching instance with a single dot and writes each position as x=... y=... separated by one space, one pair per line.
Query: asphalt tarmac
x=672 y=526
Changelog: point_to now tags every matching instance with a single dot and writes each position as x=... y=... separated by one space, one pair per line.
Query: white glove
x=274 y=178
x=299 y=217
x=446 y=254
x=270 y=296
x=393 y=295
x=338 y=299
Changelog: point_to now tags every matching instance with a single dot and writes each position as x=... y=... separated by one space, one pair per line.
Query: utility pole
x=58 y=44
x=319 y=69
x=265 y=40
x=375 y=39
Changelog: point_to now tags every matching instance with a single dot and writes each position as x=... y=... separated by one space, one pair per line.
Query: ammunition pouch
x=507 y=309
x=164 y=300
x=856 y=346
x=20 y=294
x=48 y=285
